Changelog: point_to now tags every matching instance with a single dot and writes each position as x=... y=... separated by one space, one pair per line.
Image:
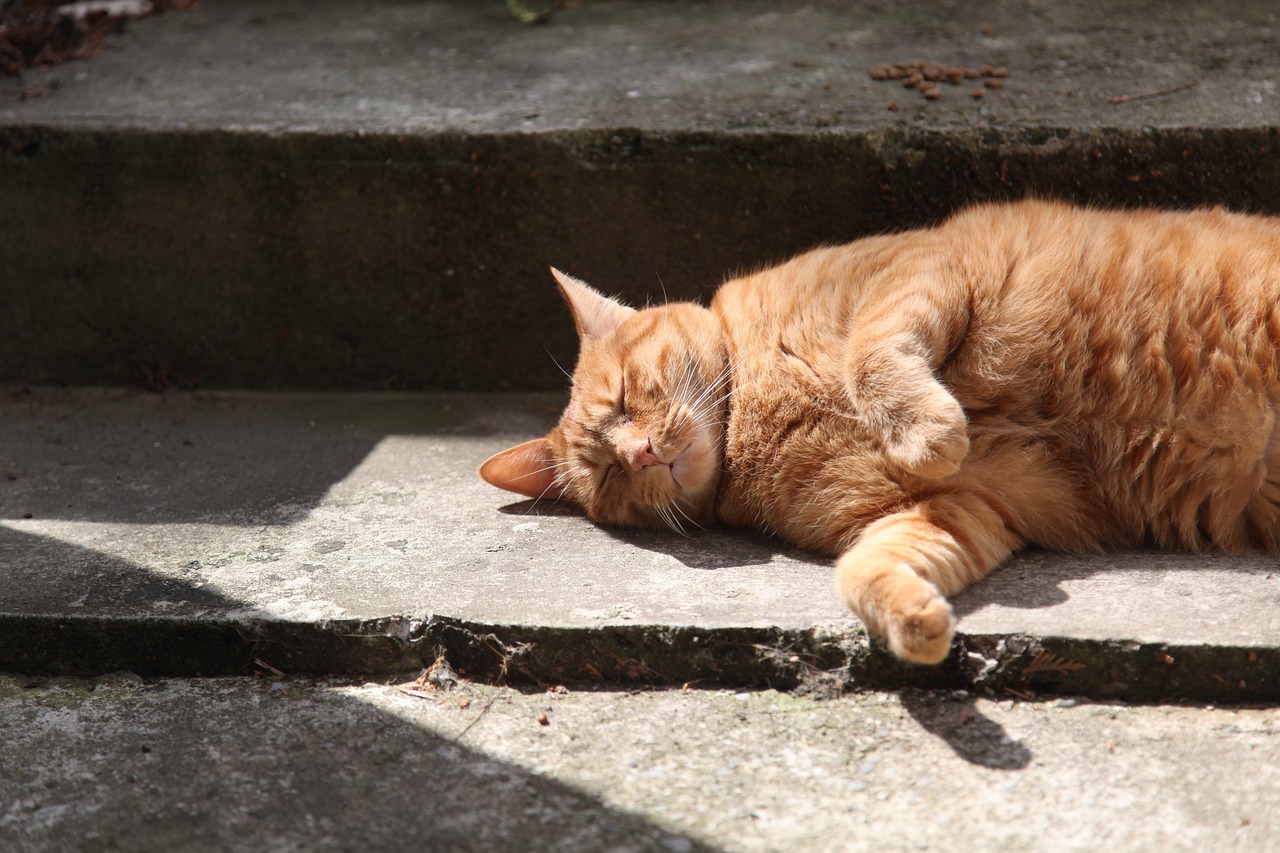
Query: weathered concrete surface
x=367 y=195
x=235 y=764
x=221 y=533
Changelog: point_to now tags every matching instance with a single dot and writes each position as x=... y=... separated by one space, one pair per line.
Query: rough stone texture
x=122 y=764
x=367 y=195
x=202 y=533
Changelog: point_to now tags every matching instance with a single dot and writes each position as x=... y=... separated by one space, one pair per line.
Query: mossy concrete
x=124 y=763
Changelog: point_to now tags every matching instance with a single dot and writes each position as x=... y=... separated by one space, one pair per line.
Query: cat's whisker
x=669 y=517
x=699 y=404
x=558 y=365
x=679 y=509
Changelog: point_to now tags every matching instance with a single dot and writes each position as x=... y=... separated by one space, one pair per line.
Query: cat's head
x=641 y=441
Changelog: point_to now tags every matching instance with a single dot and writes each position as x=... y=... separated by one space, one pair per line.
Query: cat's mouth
x=681 y=467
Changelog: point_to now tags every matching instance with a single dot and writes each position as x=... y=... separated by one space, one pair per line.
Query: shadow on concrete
x=1034 y=578
x=712 y=548
x=263 y=767
x=971 y=736
x=47 y=576
x=155 y=459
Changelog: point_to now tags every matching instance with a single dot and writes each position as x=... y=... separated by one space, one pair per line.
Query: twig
x=476 y=719
x=268 y=667
x=1124 y=99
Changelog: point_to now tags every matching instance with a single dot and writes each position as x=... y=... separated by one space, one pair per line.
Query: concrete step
x=240 y=532
x=122 y=763
x=366 y=195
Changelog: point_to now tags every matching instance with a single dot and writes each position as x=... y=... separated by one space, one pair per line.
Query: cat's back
x=1140 y=349
x=1132 y=353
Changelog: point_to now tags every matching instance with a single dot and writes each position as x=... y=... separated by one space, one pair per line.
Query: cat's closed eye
x=622 y=400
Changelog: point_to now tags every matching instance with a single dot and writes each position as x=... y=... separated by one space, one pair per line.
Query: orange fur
x=923 y=404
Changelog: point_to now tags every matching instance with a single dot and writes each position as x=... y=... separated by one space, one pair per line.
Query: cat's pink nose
x=639 y=455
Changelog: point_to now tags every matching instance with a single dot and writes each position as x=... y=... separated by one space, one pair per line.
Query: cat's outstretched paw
x=922 y=632
x=933 y=445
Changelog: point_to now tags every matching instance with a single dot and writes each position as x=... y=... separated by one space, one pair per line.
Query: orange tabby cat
x=923 y=404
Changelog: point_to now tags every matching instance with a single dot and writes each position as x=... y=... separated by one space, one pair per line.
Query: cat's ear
x=595 y=314
x=528 y=469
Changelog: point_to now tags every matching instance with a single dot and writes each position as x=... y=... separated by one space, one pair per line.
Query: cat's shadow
x=1036 y=578
x=972 y=735
x=1033 y=578
x=705 y=549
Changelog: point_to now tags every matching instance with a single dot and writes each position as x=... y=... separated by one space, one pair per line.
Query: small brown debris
x=1164 y=658
x=892 y=106
x=925 y=76
x=543 y=719
x=1253 y=657
x=979 y=93
x=37 y=91
x=46 y=32
x=987 y=30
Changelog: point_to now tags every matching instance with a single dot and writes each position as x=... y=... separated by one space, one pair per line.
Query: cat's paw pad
x=923 y=632
x=935 y=445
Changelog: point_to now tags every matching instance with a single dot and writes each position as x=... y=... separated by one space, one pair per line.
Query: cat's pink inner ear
x=528 y=469
x=594 y=314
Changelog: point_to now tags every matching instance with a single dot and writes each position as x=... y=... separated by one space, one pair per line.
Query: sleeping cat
x=921 y=405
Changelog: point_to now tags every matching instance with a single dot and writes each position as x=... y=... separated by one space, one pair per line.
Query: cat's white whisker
x=558 y=365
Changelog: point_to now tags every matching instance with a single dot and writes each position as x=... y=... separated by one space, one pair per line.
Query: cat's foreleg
x=895 y=347
x=897 y=575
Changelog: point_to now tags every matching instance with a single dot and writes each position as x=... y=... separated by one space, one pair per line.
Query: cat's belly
x=817 y=479
x=1205 y=482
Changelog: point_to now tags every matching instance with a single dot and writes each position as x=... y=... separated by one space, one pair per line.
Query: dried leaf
x=1047 y=661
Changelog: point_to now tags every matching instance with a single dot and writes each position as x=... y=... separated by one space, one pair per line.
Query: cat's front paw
x=922 y=631
x=934 y=444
